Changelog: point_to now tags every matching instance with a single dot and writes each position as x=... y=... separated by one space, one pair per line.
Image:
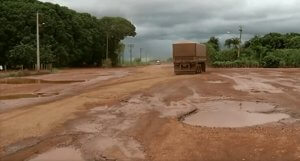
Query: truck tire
x=203 y=67
x=198 y=69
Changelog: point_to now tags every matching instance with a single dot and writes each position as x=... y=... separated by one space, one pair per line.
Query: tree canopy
x=233 y=42
x=67 y=38
x=214 y=42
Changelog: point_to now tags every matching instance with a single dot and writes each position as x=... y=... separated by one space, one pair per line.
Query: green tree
x=294 y=43
x=22 y=54
x=214 y=42
x=116 y=29
x=232 y=43
x=271 y=61
x=212 y=54
x=120 y=51
x=67 y=38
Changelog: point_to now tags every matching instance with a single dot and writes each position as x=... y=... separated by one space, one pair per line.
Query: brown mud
x=148 y=113
x=35 y=81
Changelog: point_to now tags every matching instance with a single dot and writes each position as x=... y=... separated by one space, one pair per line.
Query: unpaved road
x=148 y=113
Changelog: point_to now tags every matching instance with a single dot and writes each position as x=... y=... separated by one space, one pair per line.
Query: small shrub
x=226 y=55
x=271 y=61
x=107 y=63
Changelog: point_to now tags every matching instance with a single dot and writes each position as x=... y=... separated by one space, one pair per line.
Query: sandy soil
x=148 y=113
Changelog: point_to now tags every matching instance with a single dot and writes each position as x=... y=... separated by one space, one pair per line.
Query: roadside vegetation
x=270 y=51
x=67 y=38
x=72 y=39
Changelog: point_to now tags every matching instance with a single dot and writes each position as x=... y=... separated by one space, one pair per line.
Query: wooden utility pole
x=240 y=41
x=37 y=43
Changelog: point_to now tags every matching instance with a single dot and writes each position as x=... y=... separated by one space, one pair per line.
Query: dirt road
x=148 y=113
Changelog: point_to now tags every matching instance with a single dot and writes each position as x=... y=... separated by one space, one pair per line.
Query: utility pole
x=146 y=57
x=130 y=50
x=241 y=31
x=37 y=43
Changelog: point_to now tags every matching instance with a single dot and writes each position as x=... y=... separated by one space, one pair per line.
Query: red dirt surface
x=137 y=114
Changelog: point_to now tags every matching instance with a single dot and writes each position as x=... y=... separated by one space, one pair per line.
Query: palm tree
x=233 y=42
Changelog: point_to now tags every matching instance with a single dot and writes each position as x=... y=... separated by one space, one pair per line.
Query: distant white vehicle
x=157 y=62
x=1 y=67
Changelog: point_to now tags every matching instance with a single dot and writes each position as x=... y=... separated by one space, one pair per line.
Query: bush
x=137 y=60
x=271 y=61
x=107 y=63
x=289 y=57
x=211 y=53
x=295 y=59
x=226 y=55
x=286 y=57
x=22 y=54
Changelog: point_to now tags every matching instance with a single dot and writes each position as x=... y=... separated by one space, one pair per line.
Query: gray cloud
x=160 y=22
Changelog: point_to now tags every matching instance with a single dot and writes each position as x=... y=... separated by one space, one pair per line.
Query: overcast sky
x=161 y=22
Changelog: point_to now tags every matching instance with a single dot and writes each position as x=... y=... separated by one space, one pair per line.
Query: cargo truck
x=189 y=58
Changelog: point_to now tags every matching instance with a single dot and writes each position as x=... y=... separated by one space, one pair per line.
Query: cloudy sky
x=161 y=22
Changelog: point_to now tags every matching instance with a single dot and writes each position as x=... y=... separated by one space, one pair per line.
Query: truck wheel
x=198 y=69
x=203 y=67
x=177 y=72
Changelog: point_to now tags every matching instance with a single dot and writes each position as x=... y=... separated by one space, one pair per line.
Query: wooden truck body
x=189 y=58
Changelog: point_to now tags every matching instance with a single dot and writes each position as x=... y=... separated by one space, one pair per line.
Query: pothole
x=215 y=82
x=60 y=154
x=234 y=114
x=36 y=81
x=27 y=95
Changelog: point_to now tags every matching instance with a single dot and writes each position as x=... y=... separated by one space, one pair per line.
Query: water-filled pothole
x=60 y=154
x=27 y=95
x=234 y=114
x=36 y=81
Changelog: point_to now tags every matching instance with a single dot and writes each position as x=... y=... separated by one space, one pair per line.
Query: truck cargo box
x=189 y=50
x=189 y=57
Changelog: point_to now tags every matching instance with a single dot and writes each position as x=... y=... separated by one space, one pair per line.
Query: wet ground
x=234 y=114
x=26 y=95
x=25 y=91
x=148 y=113
x=35 y=81
x=60 y=154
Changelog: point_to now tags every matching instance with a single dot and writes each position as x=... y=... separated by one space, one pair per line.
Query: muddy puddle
x=36 y=81
x=255 y=84
x=60 y=154
x=234 y=114
x=27 y=95
x=215 y=82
